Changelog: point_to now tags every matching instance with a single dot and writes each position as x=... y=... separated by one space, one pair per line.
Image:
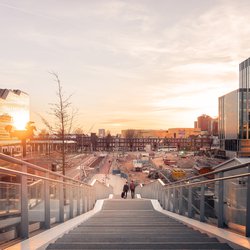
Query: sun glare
x=20 y=120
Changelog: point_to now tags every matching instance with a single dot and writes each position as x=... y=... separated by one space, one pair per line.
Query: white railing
x=220 y=197
x=32 y=197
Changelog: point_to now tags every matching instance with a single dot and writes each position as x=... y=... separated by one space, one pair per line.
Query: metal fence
x=221 y=197
x=32 y=197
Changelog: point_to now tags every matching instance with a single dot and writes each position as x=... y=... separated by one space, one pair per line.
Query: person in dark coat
x=132 y=189
x=125 y=190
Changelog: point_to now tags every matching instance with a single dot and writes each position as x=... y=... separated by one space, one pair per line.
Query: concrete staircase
x=134 y=224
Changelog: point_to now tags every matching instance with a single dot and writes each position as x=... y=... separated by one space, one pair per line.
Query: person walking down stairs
x=125 y=190
x=132 y=189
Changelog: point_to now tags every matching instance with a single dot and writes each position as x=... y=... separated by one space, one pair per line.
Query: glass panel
x=235 y=203
x=9 y=198
x=54 y=202
x=75 y=196
x=10 y=209
x=210 y=214
x=195 y=212
x=185 y=201
x=36 y=203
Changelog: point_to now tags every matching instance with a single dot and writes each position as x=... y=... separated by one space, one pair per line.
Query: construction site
x=169 y=166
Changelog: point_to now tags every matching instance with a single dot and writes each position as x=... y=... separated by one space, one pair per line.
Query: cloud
x=128 y=62
x=117 y=121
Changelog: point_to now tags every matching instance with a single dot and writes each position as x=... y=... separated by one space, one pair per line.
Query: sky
x=134 y=64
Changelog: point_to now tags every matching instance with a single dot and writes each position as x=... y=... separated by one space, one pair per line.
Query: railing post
x=221 y=202
x=24 y=205
x=168 y=200
x=78 y=200
x=181 y=201
x=7 y=200
x=174 y=199
x=190 y=201
x=248 y=205
x=163 y=197
x=202 y=203
x=46 y=202
x=71 y=201
x=62 y=199
x=85 y=200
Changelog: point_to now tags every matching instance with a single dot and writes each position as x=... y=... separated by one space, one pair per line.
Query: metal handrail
x=6 y=170
x=208 y=181
x=78 y=196
x=211 y=173
x=171 y=196
x=21 y=162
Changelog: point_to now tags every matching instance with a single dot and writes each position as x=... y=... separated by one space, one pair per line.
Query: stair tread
x=128 y=245
x=133 y=224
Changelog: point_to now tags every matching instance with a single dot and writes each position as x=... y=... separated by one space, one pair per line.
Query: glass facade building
x=14 y=110
x=234 y=115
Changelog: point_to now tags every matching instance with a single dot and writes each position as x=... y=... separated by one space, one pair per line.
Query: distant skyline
x=139 y=64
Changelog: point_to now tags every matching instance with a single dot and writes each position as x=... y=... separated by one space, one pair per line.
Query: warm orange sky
x=129 y=64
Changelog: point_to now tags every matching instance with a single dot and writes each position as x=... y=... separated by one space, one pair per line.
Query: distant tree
x=79 y=138
x=22 y=135
x=78 y=131
x=63 y=115
x=130 y=134
x=93 y=141
x=44 y=134
x=108 y=141
x=165 y=141
x=9 y=128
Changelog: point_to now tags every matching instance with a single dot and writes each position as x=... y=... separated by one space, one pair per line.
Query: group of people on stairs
x=128 y=187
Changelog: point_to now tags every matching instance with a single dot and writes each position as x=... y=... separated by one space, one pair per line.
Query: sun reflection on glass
x=20 y=119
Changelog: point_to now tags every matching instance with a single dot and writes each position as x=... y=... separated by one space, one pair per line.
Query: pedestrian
x=132 y=189
x=125 y=190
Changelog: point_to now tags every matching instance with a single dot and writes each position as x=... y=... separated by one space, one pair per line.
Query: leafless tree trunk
x=64 y=115
x=130 y=135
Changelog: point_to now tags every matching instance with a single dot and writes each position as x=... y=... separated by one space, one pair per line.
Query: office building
x=14 y=111
x=101 y=132
x=204 y=123
x=234 y=116
x=15 y=104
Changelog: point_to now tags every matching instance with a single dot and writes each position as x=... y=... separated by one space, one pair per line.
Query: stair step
x=138 y=232
x=132 y=239
x=128 y=245
x=134 y=225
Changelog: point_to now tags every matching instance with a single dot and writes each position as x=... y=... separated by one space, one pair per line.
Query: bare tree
x=64 y=115
x=108 y=141
x=78 y=131
x=130 y=134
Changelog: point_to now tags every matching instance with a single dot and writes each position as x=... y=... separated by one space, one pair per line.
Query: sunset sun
x=20 y=120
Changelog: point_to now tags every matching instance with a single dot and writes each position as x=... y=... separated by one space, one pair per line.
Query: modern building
x=214 y=126
x=15 y=103
x=204 y=123
x=234 y=116
x=207 y=125
x=14 y=111
x=101 y=132
x=183 y=132
x=144 y=133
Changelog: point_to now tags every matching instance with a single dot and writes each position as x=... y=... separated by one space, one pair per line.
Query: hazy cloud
x=148 y=64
